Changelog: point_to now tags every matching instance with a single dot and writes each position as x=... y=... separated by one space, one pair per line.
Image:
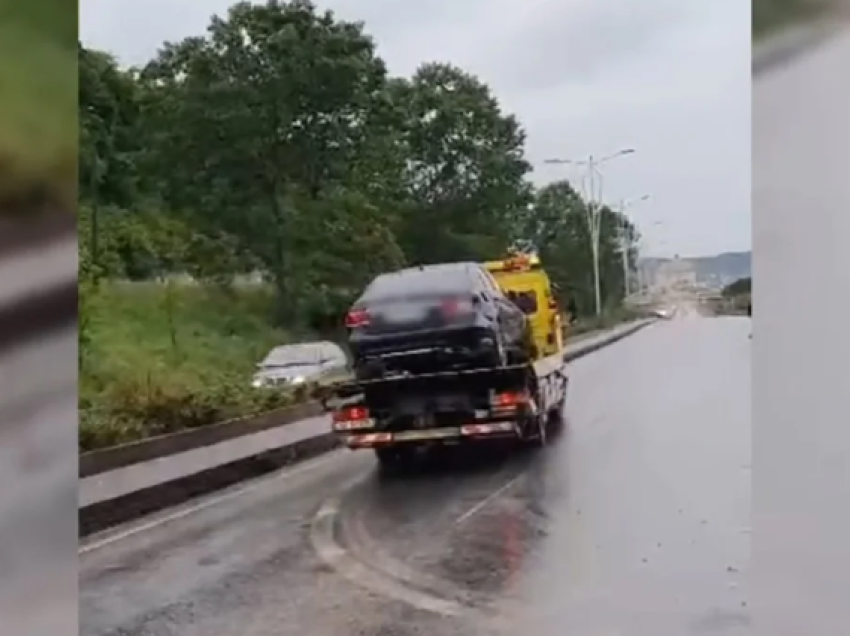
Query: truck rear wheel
x=386 y=456
x=540 y=431
x=392 y=457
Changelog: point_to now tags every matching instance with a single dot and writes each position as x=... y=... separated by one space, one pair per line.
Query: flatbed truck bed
x=399 y=415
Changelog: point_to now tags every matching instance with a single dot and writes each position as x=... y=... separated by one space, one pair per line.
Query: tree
x=109 y=142
x=556 y=227
x=264 y=113
x=276 y=142
x=465 y=167
x=740 y=287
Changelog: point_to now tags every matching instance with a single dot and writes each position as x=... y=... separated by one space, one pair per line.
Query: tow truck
x=405 y=415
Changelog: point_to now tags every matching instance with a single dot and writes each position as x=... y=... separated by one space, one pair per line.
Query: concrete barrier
x=595 y=345
x=134 y=505
x=106 y=459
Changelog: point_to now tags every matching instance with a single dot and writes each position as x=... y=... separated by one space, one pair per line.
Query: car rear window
x=417 y=283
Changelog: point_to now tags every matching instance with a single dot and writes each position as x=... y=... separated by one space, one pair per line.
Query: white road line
x=357 y=572
x=97 y=544
x=489 y=498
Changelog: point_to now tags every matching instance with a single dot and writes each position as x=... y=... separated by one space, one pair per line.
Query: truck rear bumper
x=444 y=435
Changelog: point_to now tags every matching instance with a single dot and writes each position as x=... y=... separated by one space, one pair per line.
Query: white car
x=291 y=365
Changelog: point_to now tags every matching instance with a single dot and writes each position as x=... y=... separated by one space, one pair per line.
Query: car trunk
x=402 y=316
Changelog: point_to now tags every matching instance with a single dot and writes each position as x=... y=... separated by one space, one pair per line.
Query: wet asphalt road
x=801 y=206
x=38 y=529
x=38 y=432
x=634 y=522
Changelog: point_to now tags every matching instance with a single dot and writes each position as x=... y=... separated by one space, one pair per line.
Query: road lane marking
x=487 y=500
x=182 y=513
x=337 y=557
x=365 y=547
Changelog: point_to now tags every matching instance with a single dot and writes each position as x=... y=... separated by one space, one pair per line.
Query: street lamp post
x=642 y=275
x=624 y=240
x=593 y=209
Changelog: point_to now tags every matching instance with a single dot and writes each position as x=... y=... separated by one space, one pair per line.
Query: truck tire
x=536 y=431
x=542 y=438
x=556 y=421
x=386 y=456
x=392 y=458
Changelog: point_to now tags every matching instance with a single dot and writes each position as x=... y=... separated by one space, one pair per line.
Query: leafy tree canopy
x=277 y=142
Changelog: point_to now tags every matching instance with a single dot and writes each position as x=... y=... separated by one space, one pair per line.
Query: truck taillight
x=357 y=318
x=509 y=399
x=351 y=414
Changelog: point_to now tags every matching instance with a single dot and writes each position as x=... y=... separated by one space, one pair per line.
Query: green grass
x=161 y=358
x=38 y=103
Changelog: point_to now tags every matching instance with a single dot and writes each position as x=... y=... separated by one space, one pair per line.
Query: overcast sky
x=669 y=78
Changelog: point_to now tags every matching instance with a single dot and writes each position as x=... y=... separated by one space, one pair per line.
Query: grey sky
x=669 y=78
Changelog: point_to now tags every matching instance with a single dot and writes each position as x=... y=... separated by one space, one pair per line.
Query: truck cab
x=525 y=282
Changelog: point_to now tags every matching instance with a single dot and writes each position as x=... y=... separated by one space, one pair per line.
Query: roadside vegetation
x=277 y=145
x=737 y=296
x=770 y=16
x=38 y=136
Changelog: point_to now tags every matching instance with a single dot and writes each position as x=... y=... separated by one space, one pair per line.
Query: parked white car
x=291 y=365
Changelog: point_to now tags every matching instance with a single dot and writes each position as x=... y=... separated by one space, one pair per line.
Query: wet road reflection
x=652 y=537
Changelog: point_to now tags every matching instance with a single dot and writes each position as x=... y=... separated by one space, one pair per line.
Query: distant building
x=675 y=273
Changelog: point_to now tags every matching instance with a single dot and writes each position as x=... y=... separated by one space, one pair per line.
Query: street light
x=624 y=239
x=642 y=278
x=593 y=207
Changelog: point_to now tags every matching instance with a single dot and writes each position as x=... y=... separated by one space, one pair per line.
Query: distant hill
x=724 y=268
x=720 y=269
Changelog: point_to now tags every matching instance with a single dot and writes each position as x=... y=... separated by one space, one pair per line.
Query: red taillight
x=451 y=307
x=351 y=414
x=356 y=318
x=510 y=398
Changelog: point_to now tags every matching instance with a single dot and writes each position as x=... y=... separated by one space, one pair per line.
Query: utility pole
x=592 y=195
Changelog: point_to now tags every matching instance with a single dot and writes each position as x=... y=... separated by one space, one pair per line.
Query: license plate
x=433 y=433
x=405 y=313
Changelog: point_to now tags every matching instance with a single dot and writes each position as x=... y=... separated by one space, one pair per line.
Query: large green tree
x=465 y=169
x=263 y=119
x=276 y=142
